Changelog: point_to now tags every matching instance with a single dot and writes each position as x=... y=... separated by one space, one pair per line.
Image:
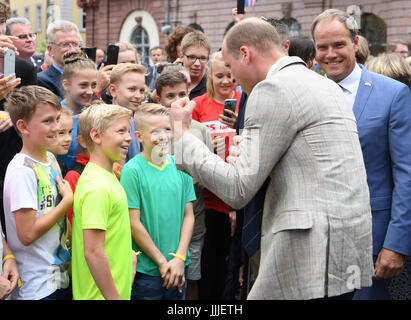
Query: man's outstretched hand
x=180 y=116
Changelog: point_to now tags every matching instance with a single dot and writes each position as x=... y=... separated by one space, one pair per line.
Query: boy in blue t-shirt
x=161 y=213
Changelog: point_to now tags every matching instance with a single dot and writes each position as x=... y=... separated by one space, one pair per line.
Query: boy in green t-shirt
x=171 y=85
x=161 y=213
x=102 y=257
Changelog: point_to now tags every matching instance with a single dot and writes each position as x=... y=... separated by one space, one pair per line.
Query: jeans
x=61 y=294
x=146 y=287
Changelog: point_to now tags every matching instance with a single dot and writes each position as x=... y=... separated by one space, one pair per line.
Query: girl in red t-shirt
x=220 y=221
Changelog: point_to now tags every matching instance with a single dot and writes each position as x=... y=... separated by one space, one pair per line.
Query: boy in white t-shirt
x=35 y=220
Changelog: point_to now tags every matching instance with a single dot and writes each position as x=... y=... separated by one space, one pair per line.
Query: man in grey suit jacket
x=299 y=130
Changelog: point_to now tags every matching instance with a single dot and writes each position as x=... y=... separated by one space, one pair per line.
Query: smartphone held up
x=9 y=63
x=229 y=104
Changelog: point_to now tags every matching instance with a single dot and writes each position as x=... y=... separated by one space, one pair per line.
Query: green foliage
x=41 y=45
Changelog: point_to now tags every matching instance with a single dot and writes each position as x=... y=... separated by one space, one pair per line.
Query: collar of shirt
x=270 y=72
x=57 y=68
x=352 y=82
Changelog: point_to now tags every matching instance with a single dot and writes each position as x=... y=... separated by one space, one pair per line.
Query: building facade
x=142 y=21
x=146 y=23
x=43 y=12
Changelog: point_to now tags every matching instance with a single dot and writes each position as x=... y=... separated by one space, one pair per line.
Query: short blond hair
x=126 y=46
x=148 y=109
x=123 y=68
x=100 y=117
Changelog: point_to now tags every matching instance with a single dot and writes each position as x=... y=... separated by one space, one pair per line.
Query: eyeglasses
x=66 y=45
x=26 y=36
x=193 y=58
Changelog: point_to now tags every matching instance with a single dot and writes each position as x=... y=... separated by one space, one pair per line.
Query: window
x=66 y=10
x=374 y=29
x=27 y=12
x=141 y=40
x=82 y=20
x=38 y=18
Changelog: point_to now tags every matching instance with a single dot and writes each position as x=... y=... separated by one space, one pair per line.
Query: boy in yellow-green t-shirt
x=103 y=263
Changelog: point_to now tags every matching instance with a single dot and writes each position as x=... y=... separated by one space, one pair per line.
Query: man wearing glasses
x=62 y=36
x=25 y=41
x=195 y=51
x=398 y=47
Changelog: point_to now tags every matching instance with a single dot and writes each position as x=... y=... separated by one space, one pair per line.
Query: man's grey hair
x=10 y=22
x=344 y=17
x=60 y=25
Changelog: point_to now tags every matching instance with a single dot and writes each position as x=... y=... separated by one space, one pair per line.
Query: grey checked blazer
x=316 y=230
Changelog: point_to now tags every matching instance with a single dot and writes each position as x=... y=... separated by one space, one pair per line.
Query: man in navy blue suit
x=382 y=107
x=62 y=36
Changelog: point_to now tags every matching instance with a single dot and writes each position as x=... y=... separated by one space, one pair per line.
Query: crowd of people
x=133 y=181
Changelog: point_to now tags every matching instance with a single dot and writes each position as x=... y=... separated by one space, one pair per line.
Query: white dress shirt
x=350 y=84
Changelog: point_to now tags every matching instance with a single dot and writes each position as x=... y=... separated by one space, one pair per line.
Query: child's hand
x=175 y=276
x=65 y=190
x=163 y=268
x=11 y=273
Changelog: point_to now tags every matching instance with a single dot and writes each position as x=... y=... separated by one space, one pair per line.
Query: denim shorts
x=146 y=287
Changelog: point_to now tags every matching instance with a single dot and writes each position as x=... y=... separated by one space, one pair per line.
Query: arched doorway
x=140 y=29
x=374 y=29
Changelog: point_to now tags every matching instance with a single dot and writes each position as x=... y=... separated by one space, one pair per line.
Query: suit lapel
x=364 y=89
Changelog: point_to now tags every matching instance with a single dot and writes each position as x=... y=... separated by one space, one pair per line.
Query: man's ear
x=49 y=49
x=95 y=136
x=286 y=46
x=157 y=99
x=245 y=54
x=356 y=43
